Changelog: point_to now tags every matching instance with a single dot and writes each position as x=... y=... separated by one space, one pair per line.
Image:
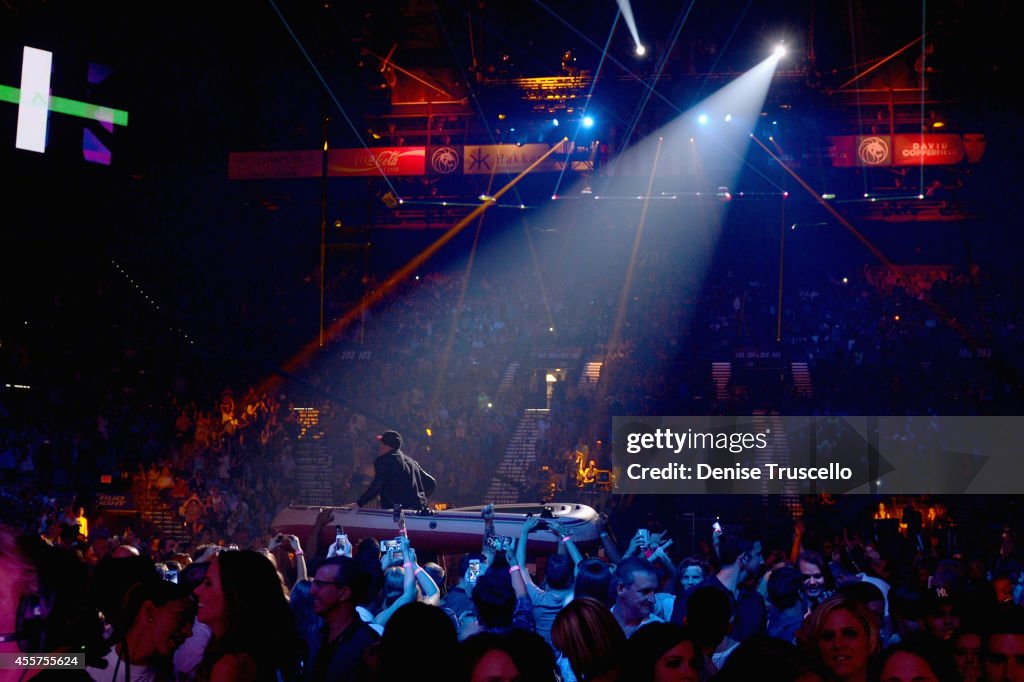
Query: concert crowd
x=842 y=588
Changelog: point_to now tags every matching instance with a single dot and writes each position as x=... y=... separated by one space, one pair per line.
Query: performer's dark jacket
x=398 y=479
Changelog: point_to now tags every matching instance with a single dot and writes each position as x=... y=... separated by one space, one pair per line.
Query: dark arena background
x=242 y=240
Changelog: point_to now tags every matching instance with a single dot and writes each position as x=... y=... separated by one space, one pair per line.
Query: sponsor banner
x=444 y=160
x=848 y=151
x=287 y=164
x=115 y=501
x=930 y=150
x=395 y=161
x=506 y=158
x=769 y=454
x=375 y=161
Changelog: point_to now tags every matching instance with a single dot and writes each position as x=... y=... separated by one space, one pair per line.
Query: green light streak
x=9 y=94
x=71 y=107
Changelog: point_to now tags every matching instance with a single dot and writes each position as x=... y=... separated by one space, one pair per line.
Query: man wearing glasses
x=338 y=652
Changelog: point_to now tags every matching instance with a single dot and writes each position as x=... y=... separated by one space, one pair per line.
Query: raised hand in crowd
x=566 y=543
x=340 y=547
x=489 y=557
x=637 y=544
x=409 y=580
x=611 y=549
x=399 y=518
x=323 y=517
x=659 y=553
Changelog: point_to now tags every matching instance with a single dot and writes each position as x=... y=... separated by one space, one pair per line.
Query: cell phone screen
x=499 y=542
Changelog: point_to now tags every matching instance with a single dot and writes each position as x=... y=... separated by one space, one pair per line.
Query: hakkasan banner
x=393 y=161
x=849 y=151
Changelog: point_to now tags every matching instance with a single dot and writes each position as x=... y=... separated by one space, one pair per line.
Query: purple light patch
x=93 y=150
x=98 y=72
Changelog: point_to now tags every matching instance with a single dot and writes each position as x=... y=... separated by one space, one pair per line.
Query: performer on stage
x=398 y=478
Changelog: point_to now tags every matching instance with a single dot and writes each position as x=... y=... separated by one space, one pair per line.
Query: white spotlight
x=640 y=50
x=780 y=50
x=702 y=119
x=728 y=117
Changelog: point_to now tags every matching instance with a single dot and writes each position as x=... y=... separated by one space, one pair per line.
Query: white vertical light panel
x=34 y=104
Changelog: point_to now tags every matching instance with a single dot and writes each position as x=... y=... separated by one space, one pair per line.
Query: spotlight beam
x=590 y=93
x=387 y=61
x=620 y=314
x=743 y=160
x=882 y=258
x=662 y=61
x=442 y=367
x=469 y=86
x=334 y=98
x=950 y=320
x=884 y=60
x=372 y=299
x=627 y=13
x=639 y=79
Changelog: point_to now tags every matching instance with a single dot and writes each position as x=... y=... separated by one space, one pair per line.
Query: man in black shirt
x=339 y=651
x=739 y=557
x=398 y=478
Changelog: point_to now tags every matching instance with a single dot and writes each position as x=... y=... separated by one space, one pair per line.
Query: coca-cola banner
x=376 y=161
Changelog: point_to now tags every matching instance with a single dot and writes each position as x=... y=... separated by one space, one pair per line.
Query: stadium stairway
x=777 y=454
x=591 y=374
x=802 y=379
x=508 y=380
x=164 y=516
x=509 y=481
x=721 y=373
x=312 y=466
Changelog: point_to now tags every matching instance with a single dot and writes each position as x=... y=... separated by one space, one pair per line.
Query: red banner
x=288 y=164
x=376 y=161
x=340 y=163
x=930 y=150
x=849 y=151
